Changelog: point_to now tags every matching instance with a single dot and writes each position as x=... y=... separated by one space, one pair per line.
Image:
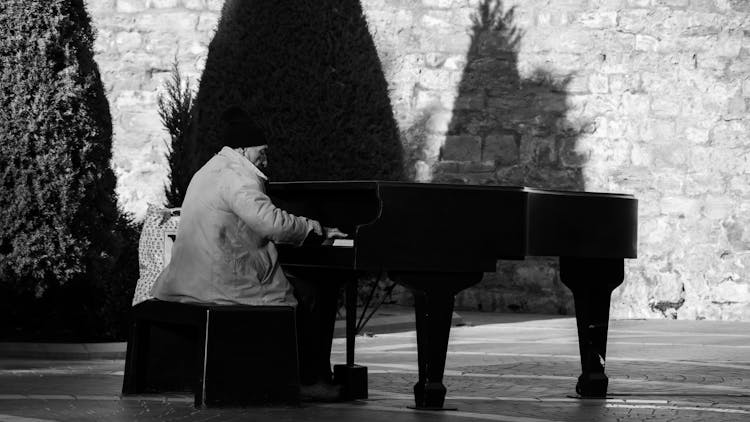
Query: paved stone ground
x=518 y=368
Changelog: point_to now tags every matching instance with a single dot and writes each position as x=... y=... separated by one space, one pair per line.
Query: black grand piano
x=439 y=239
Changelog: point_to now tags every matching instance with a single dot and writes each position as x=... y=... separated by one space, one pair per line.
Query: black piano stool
x=225 y=355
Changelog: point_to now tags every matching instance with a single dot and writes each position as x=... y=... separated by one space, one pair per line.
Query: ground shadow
x=525 y=140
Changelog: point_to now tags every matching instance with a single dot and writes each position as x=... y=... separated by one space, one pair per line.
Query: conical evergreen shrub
x=57 y=197
x=308 y=71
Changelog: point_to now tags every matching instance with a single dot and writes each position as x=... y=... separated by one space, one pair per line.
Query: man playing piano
x=225 y=249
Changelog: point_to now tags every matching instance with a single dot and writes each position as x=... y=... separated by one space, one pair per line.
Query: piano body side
x=584 y=225
x=443 y=228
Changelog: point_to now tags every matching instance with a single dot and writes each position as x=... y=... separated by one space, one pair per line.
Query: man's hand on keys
x=334 y=233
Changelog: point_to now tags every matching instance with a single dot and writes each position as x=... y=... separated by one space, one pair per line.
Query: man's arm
x=257 y=211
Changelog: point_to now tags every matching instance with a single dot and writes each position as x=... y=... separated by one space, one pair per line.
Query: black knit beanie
x=239 y=130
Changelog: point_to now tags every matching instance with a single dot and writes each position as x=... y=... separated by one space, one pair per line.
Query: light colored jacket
x=224 y=252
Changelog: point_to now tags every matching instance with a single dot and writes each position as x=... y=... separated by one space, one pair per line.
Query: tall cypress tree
x=308 y=72
x=57 y=195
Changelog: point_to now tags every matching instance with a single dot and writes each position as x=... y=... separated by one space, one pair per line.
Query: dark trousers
x=316 y=316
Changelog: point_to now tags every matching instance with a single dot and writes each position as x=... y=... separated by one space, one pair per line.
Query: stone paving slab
x=499 y=368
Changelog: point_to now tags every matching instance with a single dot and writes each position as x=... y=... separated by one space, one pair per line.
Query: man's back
x=223 y=253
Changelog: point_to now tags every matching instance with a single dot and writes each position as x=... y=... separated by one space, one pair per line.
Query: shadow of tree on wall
x=511 y=130
x=309 y=72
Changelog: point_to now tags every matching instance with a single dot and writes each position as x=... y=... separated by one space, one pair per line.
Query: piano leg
x=592 y=282
x=351 y=376
x=433 y=297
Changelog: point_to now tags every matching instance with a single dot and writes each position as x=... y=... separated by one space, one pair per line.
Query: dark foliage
x=61 y=235
x=175 y=108
x=309 y=73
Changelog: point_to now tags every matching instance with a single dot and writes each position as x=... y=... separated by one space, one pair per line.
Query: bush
x=308 y=71
x=175 y=108
x=59 y=238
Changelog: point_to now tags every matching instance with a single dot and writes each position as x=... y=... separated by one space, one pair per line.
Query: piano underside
x=439 y=239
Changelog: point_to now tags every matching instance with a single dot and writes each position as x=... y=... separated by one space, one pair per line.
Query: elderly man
x=225 y=249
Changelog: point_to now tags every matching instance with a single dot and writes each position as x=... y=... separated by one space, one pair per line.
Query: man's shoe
x=320 y=392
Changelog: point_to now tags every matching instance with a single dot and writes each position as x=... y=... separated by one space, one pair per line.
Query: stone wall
x=647 y=97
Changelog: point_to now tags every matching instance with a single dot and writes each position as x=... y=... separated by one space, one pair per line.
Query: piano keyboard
x=343 y=243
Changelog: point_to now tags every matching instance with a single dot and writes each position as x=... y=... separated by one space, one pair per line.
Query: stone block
x=439 y=122
x=455 y=62
x=737 y=232
x=635 y=104
x=646 y=43
x=672 y=3
x=471 y=102
x=135 y=99
x=680 y=205
x=665 y=106
x=100 y=7
x=639 y=3
x=571 y=155
x=500 y=149
x=445 y=167
x=439 y=22
x=163 y=4
x=127 y=41
x=641 y=155
x=422 y=172
x=577 y=84
x=729 y=134
x=208 y=21
x=736 y=5
x=674 y=156
x=703 y=182
x=162 y=44
x=598 y=19
x=696 y=135
x=426 y=99
x=598 y=83
x=703 y=5
x=194 y=4
x=736 y=108
x=474 y=168
x=214 y=5
x=441 y=4
x=566 y=40
x=607 y=4
x=176 y=22
x=462 y=148
x=438 y=79
x=512 y=175
x=454 y=42
x=624 y=82
x=131 y=6
x=718 y=207
x=434 y=59
x=660 y=131
x=104 y=43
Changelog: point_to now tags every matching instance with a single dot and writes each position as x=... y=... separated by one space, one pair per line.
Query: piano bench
x=225 y=355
